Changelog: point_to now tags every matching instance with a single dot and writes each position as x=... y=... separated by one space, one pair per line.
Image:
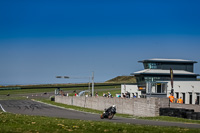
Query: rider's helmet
x=114 y=106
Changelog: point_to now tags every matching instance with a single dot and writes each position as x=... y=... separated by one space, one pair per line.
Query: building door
x=190 y=94
x=183 y=97
x=158 y=87
x=198 y=98
x=177 y=95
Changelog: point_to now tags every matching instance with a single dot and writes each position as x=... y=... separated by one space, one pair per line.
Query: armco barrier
x=136 y=106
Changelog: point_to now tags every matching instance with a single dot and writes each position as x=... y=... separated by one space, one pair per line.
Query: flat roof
x=164 y=72
x=168 y=60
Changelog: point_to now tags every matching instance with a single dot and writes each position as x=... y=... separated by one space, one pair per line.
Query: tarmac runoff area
x=29 y=107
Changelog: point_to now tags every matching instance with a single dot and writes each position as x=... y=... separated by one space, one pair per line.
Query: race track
x=29 y=107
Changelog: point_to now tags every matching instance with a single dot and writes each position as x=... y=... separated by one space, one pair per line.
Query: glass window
x=152 y=66
x=140 y=79
x=146 y=66
x=151 y=79
x=153 y=87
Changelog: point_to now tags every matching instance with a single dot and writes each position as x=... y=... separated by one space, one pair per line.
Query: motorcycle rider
x=109 y=113
x=111 y=108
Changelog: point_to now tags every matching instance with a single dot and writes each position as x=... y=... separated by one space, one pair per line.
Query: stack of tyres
x=171 y=112
x=164 y=111
x=167 y=112
x=161 y=111
x=198 y=115
x=177 y=112
x=194 y=116
x=180 y=112
x=189 y=113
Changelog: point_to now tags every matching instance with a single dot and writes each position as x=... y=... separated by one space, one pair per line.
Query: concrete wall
x=186 y=106
x=136 y=106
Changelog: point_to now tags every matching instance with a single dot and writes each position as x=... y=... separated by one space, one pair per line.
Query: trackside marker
x=2 y=108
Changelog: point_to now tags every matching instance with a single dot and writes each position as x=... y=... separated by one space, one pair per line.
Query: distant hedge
x=10 y=88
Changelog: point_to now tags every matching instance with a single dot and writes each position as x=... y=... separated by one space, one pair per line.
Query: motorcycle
x=108 y=114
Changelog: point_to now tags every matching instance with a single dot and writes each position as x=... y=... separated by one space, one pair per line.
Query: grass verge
x=41 y=90
x=23 y=123
x=172 y=119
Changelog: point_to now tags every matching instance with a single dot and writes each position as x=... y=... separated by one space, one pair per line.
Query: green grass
x=40 y=90
x=38 y=124
x=12 y=98
x=172 y=119
x=25 y=91
x=59 y=85
x=15 y=94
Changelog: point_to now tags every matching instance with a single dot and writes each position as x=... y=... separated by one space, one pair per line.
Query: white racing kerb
x=2 y=108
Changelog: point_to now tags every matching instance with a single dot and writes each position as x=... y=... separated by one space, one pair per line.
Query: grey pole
x=92 y=83
x=89 y=85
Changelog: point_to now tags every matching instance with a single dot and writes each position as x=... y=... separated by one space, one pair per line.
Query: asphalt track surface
x=29 y=107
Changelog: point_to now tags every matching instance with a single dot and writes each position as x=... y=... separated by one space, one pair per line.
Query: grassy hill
x=122 y=79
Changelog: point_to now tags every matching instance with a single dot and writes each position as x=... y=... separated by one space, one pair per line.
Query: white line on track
x=2 y=108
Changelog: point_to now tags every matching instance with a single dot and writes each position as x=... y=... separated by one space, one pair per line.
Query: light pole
x=92 y=83
x=172 y=80
x=67 y=77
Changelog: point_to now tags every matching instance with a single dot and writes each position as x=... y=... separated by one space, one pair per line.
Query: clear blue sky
x=40 y=39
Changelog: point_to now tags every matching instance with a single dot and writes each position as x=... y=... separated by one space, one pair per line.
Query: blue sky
x=42 y=39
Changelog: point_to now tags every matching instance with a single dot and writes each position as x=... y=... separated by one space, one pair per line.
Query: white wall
x=130 y=88
x=187 y=87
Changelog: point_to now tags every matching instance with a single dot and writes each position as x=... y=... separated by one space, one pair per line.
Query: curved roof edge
x=163 y=72
x=168 y=60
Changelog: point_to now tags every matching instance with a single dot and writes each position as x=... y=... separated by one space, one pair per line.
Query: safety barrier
x=180 y=112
